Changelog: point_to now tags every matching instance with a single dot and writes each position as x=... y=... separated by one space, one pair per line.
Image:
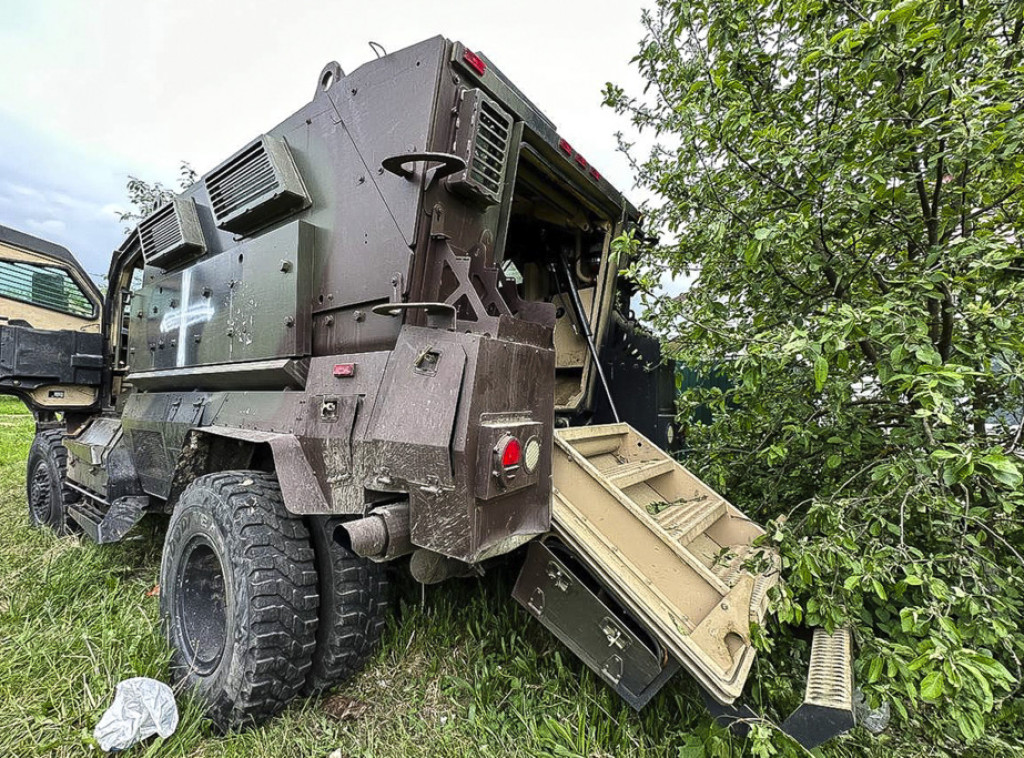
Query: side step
x=112 y=524
x=675 y=556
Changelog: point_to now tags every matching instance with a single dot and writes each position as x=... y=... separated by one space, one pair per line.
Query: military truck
x=390 y=329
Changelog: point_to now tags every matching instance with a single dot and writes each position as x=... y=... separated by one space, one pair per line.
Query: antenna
x=378 y=49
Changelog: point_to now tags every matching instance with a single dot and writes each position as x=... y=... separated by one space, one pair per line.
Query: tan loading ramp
x=670 y=548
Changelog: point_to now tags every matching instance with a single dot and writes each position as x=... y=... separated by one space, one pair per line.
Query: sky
x=91 y=92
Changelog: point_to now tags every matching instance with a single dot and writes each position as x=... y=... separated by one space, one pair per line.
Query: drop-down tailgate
x=672 y=551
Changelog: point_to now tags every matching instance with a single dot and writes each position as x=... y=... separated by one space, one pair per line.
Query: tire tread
x=274 y=558
x=354 y=603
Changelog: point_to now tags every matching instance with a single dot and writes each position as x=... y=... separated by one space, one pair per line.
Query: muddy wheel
x=353 y=604
x=46 y=484
x=238 y=597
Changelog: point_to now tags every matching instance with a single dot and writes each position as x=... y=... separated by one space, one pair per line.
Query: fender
x=302 y=493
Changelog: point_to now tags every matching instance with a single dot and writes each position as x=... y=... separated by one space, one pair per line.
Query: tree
x=844 y=180
x=145 y=197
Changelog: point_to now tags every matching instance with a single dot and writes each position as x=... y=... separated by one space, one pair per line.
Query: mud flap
x=109 y=525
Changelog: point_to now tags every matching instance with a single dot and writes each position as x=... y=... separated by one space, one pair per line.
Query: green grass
x=463 y=670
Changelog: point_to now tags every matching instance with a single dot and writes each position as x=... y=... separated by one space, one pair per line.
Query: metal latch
x=616 y=637
x=439 y=315
x=558 y=576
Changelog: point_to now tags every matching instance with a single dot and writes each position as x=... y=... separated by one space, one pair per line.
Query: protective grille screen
x=46 y=286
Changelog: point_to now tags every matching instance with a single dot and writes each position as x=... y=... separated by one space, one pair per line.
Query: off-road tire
x=354 y=595
x=238 y=597
x=46 y=483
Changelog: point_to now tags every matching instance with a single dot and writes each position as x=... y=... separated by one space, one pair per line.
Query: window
x=45 y=286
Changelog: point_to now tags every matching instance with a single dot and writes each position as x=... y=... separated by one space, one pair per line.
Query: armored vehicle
x=391 y=328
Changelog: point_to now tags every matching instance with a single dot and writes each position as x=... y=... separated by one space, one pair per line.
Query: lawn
x=463 y=671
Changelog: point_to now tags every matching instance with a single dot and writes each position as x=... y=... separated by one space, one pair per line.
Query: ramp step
x=628 y=474
x=686 y=519
x=589 y=442
x=830 y=677
x=728 y=567
x=827 y=709
x=665 y=545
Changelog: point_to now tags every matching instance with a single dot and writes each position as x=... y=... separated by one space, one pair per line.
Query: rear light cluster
x=475 y=62
x=511 y=455
x=582 y=162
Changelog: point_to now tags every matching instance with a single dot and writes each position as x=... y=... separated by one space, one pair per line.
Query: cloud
x=49 y=226
x=112 y=211
x=54 y=190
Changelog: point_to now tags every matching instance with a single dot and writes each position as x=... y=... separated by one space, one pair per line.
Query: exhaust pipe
x=382 y=535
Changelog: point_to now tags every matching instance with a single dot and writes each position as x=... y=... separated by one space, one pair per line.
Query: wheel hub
x=41 y=491
x=202 y=606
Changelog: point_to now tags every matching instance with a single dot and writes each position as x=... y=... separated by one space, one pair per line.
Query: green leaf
x=820 y=372
x=879 y=589
x=692 y=747
x=903 y=11
x=931 y=687
x=875 y=670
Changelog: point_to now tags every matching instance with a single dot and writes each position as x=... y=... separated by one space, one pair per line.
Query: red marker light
x=344 y=369
x=582 y=161
x=595 y=173
x=512 y=453
x=474 y=62
x=565 y=147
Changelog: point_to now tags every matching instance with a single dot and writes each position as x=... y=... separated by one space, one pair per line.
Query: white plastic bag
x=142 y=707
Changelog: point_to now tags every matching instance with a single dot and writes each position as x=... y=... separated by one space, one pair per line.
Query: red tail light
x=475 y=62
x=512 y=453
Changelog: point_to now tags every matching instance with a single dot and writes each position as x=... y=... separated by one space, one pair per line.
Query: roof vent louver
x=482 y=136
x=171 y=234
x=256 y=186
